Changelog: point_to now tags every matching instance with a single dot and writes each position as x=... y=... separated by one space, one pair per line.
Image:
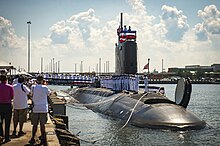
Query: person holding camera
x=20 y=105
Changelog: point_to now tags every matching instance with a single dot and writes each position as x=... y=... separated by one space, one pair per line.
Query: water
x=205 y=103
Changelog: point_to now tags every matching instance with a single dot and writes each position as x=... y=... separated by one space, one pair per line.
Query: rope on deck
x=132 y=111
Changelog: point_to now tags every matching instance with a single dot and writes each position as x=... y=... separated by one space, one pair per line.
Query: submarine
x=142 y=109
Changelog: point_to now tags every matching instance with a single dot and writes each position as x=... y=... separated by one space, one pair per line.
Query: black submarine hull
x=153 y=111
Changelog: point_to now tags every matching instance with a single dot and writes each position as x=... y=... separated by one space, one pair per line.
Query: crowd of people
x=77 y=79
x=14 y=103
x=123 y=82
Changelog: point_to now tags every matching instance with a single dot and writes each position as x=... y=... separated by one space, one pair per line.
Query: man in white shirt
x=15 y=81
x=136 y=86
x=20 y=105
x=146 y=84
x=40 y=109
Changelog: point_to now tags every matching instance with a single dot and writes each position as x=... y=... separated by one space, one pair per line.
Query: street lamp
x=29 y=51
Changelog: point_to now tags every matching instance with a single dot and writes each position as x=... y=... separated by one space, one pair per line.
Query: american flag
x=127 y=35
x=146 y=66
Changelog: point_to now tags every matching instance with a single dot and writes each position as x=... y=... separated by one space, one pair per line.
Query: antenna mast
x=121 y=20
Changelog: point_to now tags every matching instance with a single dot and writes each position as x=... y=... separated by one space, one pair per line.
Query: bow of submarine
x=167 y=116
x=157 y=116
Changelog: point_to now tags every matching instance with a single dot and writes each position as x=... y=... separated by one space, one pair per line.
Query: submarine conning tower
x=126 y=50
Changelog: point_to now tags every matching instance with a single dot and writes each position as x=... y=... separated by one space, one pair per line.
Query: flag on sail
x=146 y=66
x=127 y=35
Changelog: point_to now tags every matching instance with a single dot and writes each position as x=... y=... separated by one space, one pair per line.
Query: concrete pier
x=57 y=109
x=52 y=139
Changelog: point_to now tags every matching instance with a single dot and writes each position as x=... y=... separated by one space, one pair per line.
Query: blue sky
x=179 y=32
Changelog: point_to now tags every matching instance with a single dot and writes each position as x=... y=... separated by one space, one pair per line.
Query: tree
x=184 y=73
x=200 y=74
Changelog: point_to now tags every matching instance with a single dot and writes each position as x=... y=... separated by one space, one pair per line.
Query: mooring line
x=132 y=112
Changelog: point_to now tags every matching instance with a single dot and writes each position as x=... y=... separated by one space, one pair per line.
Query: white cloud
x=76 y=28
x=83 y=23
x=11 y=46
x=78 y=39
x=174 y=22
x=8 y=38
x=210 y=25
x=60 y=33
x=138 y=6
x=201 y=33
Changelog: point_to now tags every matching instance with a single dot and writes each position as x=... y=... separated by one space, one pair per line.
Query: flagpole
x=162 y=68
x=148 y=66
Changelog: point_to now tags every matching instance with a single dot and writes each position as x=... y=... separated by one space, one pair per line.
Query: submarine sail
x=126 y=50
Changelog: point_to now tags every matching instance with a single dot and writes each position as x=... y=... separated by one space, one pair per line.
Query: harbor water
x=205 y=103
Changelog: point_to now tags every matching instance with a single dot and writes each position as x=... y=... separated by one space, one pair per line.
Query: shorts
x=20 y=115
x=38 y=117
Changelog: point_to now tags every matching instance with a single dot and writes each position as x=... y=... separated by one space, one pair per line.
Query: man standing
x=136 y=86
x=145 y=84
x=6 y=95
x=39 y=97
x=20 y=105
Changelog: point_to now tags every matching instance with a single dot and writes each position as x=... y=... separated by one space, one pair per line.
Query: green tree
x=184 y=73
x=200 y=74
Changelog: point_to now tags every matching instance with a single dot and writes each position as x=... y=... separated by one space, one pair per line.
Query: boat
x=143 y=109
